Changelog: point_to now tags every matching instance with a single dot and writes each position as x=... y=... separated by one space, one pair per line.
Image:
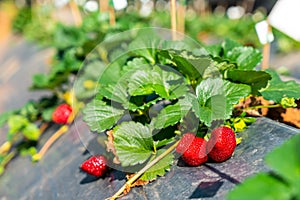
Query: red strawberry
x=61 y=114
x=195 y=153
x=95 y=165
x=221 y=144
x=185 y=142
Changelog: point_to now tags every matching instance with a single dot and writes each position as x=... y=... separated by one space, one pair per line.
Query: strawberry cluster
x=196 y=151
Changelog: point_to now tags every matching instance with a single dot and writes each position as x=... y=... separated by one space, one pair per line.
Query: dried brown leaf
x=137 y=182
x=110 y=147
x=292 y=115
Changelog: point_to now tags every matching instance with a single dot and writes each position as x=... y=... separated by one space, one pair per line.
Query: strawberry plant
x=72 y=44
x=159 y=89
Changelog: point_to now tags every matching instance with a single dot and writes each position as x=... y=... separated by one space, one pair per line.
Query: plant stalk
x=262 y=106
x=49 y=142
x=142 y=171
x=6 y=160
x=173 y=19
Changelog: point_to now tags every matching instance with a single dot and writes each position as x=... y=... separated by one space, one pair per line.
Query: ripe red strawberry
x=221 y=144
x=61 y=114
x=95 y=165
x=195 y=154
x=185 y=142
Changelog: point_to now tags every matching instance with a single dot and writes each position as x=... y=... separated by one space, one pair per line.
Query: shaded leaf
x=170 y=115
x=164 y=142
x=256 y=79
x=187 y=63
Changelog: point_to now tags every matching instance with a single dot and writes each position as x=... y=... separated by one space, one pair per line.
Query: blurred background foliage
x=208 y=21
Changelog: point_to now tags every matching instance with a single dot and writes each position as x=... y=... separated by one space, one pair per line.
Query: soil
x=290 y=116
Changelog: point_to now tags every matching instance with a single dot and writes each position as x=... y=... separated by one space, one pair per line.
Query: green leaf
x=116 y=93
x=141 y=83
x=133 y=142
x=278 y=89
x=217 y=68
x=163 y=81
x=256 y=79
x=68 y=36
x=100 y=116
x=30 y=111
x=285 y=178
x=160 y=168
x=16 y=123
x=47 y=114
x=164 y=142
x=168 y=83
x=28 y=151
x=187 y=63
x=171 y=114
x=90 y=72
x=145 y=46
x=178 y=45
x=136 y=64
x=5 y=116
x=1 y=170
x=40 y=80
x=262 y=186
x=289 y=170
x=109 y=75
x=216 y=99
x=229 y=45
x=214 y=50
x=247 y=58
x=31 y=132
x=288 y=102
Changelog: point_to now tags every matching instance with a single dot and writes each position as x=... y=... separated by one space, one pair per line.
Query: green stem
x=142 y=171
x=262 y=106
x=6 y=160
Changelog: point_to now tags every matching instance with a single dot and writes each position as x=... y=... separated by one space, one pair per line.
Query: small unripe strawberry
x=95 y=165
x=221 y=144
x=61 y=114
